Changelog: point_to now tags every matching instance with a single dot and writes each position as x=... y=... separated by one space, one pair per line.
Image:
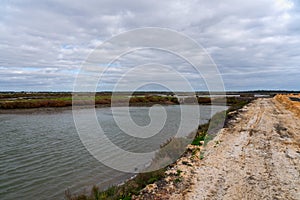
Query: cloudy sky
x=255 y=44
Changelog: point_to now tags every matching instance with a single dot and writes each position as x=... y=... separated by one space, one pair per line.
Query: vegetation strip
x=25 y=102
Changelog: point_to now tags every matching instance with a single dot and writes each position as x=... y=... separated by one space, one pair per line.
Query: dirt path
x=257 y=157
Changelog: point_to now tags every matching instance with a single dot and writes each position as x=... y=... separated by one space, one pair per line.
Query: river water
x=41 y=154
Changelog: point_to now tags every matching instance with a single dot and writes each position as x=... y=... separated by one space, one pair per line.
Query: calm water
x=41 y=154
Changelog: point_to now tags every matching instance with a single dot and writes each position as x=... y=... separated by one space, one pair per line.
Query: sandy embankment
x=256 y=157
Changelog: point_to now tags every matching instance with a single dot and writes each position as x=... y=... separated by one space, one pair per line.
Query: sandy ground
x=256 y=157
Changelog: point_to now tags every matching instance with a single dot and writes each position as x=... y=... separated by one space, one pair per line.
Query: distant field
x=40 y=100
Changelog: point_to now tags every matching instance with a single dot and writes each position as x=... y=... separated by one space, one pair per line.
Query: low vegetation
x=42 y=100
x=154 y=99
x=121 y=192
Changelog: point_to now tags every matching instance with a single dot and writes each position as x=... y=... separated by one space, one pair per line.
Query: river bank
x=161 y=178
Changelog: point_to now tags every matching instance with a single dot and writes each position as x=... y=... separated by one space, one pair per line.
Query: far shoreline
x=164 y=101
x=69 y=108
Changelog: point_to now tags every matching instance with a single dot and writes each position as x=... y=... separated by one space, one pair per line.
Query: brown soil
x=256 y=157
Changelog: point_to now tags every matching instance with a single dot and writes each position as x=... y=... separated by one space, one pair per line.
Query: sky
x=254 y=44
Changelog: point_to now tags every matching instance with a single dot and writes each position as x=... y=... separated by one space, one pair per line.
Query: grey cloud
x=251 y=40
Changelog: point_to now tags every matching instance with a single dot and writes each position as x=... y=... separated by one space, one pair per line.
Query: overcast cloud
x=255 y=44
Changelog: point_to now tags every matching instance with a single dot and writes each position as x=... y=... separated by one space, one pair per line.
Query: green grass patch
x=199 y=137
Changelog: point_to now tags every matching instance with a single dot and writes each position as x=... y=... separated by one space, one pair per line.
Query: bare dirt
x=256 y=157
